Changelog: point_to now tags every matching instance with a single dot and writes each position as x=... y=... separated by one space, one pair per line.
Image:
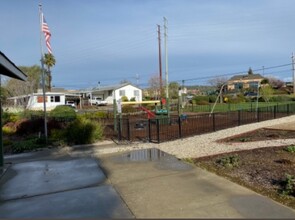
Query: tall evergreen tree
x=49 y=61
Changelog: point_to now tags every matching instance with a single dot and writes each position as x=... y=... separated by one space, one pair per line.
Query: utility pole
x=137 y=79
x=166 y=65
x=293 y=68
x=160 y=59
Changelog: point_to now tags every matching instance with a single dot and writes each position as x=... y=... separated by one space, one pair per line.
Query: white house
x=35 y=100
x=109 y=93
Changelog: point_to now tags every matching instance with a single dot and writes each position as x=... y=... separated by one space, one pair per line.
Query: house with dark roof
x=111 y=92
x=246 y=81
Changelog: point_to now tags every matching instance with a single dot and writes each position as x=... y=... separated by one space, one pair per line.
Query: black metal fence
x=165 y=129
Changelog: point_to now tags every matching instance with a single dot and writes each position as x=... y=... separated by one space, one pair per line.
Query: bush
x=202 y=102
x=28 y=145
x=96 y=115
x=281 y=98
x=124 y=98
x=229 y=161
x=236 y=99
x=26 y=126
x=212 y=98
x=84 y=131
x=63 y=113
x=8 y=129
x=288 y=185
x=128 y=109
x=33 y=114
x=10 y=117
x=198 y=99
x=57 y=134
x=290 y=149
x=132 y=99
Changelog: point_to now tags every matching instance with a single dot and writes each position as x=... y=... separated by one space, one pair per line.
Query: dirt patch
x=261 y=135
x=263 y=170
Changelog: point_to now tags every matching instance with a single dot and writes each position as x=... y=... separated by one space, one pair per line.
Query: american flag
x=47 y=34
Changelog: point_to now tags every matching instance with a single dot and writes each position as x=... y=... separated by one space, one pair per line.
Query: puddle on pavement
x=161 y=159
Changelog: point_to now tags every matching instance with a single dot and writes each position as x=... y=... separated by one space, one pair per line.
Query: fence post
x=239 y=117
x=213 y=118
x=128 y=129
x=119 y=130
x=179 y=127
x=149 y=130
x=158 y=130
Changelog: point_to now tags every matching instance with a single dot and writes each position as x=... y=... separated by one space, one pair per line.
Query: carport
x=7 y=68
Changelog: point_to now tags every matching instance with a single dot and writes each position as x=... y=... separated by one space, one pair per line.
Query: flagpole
x=43 y=74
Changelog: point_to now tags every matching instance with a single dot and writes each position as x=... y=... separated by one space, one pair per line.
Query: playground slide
x=150 y=114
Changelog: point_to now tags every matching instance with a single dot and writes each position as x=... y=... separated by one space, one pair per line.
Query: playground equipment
x=161 y=113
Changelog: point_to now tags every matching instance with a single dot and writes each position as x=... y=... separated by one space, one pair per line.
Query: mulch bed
x=261 y=135
x=263 y=170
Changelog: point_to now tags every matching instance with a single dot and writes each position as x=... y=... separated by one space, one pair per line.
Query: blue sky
x=114 y=40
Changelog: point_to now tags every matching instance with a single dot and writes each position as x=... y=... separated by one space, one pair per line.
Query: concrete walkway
x=142 y=184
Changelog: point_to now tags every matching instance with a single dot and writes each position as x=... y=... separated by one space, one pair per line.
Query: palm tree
x=49 y=61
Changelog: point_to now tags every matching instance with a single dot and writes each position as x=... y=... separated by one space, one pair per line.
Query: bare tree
x=218 y=81
x=275 y=82
x=154 y=87
x=16 y=87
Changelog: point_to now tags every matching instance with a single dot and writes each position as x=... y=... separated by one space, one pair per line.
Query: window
x=40 y=99
x=54 y=98
x=253 y=85
x=136 y=92
x=110 y=92
x=238 y=85
x=122 y=92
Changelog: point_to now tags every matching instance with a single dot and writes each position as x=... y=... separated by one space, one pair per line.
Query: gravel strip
x=199 y=145
x=205 y=145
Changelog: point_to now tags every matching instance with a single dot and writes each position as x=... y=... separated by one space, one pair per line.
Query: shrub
x=288 y=185
x=124 y=98
x=202 y=102
x=57 y=134
x=28 y=145
x=8 y=129
x=84 y=131
x=280 y=98
x=10 y=117
x=132 y=99
x=212 y=98
x=26 y=126
x=290 y=149
x=63 y=113
x=96 y=115
x=128 y=109
x=33 y=114
x=198 y=99
x=229 y=161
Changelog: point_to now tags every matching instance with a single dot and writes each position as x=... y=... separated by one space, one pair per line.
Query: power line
x=235 y=73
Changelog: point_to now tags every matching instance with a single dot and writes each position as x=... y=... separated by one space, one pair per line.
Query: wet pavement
x=145 y=183
x=155 y=184
x=67 y=188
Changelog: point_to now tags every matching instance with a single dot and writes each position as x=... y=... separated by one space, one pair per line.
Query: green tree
x=266 y=91
x=49 y=61
x=173 y=90
x=250 y=71
x=16 y=87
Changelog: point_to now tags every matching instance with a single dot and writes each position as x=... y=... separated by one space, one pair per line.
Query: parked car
x=97 y=101
x=71 y=103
